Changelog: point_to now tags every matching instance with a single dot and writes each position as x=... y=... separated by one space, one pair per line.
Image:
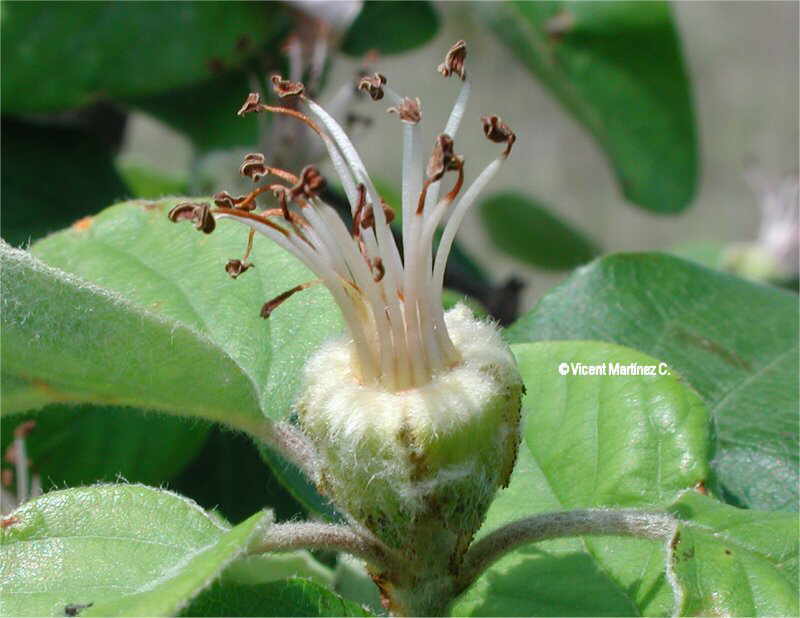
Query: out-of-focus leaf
x=391 y=27
x=734 y=341
x=298 y=485
x=264 y=568
x=51 y=176
x=167 y=328
x=114 y=550
x=293 y=597
x=734 y=562
x=230 y=477
x=60 y=55
x=529 y=232
x=145 y=182
x=82 y=445
x=353 y=582
x=618 y=67
x=708 y=254
x=210 y=120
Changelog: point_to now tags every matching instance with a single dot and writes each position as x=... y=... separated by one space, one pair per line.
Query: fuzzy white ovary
x=388 y=453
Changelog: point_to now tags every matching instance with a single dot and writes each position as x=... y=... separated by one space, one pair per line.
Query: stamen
x=373 y=85
x=362 y=203
x=239 y=214
x=254 y=166
x=377 y=264
x=409 y=110
x=284 y=195
x=368 y=216
x=251 y=104
x=200 y=214
x=283 y=175
x=236 y=267
x=310 y=183
x=276 y=302
x=392 y=311
x=249 y=202
x=442 y=160
x=285 y=88
x=226 y=200
x=454 y=61
x=497 y=131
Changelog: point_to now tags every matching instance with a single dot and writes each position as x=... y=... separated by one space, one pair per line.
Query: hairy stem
x=293 y=445
x=312 y=535
x=625 y=522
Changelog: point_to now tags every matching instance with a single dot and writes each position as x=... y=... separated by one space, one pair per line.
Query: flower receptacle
x=418 y=467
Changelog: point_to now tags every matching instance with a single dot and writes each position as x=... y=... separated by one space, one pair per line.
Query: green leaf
x=294 y=597
x=81 y=177
x=529 y=232
x=592 y=442
x=391 y=27
x=97 y=50
x=73 y=341
x=81 y=445
x=113 y=550
x=155 y=321
x=736 y=343
x=618 y=67
x=733 y=562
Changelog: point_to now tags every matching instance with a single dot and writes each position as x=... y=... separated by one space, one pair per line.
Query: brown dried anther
x=254 y=166
x=367 y=218
x=310 y=183
x=226 y=200
x=200 y=214
x=454 y=61
x=443 y=159
x=285 y=88
x=409 y=110
x=498 y=131
x=251 y=104
x=236 y=267
x=373 y=84
x=378 y=268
